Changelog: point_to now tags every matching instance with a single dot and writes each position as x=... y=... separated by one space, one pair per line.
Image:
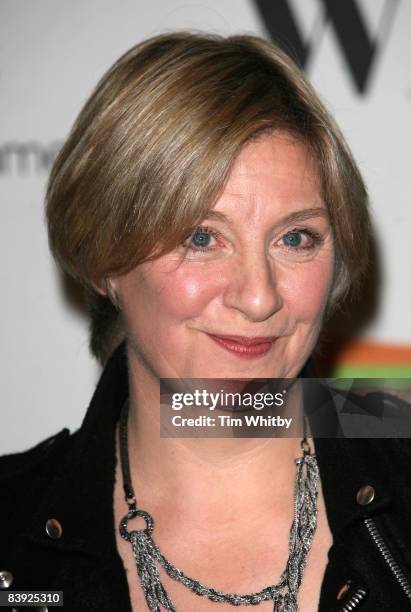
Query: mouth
x=244 y=346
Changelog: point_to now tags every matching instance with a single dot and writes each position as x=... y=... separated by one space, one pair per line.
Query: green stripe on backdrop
x=369 y=371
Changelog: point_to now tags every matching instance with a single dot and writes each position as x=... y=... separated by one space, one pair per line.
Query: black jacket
x=70 y=477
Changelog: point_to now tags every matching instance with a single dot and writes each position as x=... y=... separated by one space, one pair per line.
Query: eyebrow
x=299 y=215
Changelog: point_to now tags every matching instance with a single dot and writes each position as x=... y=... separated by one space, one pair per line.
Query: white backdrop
x=51 y=55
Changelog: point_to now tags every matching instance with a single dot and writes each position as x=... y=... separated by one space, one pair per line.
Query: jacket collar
x=80 y=496
x=345 y=464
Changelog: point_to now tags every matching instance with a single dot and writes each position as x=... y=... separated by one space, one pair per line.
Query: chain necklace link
x=146 y=553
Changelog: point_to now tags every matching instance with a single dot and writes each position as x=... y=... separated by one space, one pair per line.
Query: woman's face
x=260 y=265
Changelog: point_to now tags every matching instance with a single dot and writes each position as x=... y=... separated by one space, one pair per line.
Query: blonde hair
x=151 y=151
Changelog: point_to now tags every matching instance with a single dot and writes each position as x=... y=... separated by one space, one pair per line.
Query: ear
x=100 y=288
x=107 y=288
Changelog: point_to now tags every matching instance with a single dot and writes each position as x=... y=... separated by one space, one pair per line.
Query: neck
x=226 y=476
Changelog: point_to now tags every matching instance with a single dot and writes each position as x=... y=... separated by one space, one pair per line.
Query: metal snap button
x=54 y=529
x=6 y=579
x=365 y=495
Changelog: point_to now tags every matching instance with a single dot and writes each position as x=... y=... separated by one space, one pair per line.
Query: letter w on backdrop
x=359 y=47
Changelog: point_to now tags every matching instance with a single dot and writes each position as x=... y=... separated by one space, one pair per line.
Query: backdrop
x=356 y=52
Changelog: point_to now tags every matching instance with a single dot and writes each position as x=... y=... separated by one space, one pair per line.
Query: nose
x=252 y=287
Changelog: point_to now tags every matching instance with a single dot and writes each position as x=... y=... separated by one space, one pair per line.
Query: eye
x=200 y=239
x=301 y=239
x=293 y=239
x=297 y=240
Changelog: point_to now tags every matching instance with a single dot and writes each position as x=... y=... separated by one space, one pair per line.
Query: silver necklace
x=147 y=553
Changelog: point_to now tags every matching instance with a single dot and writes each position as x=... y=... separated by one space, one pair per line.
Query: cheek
x=306 y=289
x=162 y=295
x=186 y=295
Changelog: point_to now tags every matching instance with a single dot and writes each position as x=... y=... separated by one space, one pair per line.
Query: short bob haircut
x=152 y=148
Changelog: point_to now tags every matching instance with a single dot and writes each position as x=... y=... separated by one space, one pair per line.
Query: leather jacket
x=70 y=478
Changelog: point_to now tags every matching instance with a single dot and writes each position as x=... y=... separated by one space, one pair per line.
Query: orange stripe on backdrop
x=372 y=353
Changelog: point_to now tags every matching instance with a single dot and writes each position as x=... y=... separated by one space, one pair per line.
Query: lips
x=245 y=340
x=244 y=346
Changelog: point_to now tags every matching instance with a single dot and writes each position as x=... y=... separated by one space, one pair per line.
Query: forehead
x=275 y=173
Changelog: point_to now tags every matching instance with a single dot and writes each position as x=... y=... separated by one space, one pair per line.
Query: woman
x=212 y=210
